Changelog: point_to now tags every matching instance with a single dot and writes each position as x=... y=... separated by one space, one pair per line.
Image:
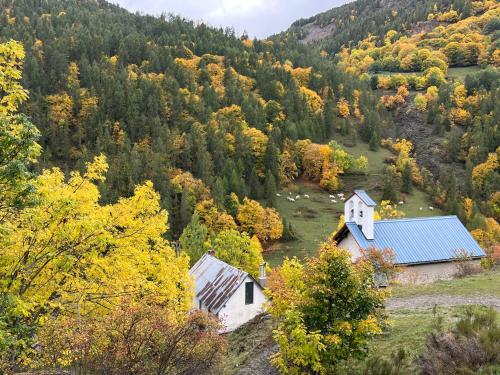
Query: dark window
x=249 y=293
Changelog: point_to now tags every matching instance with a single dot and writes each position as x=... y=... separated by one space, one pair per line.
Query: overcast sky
x=259 y=18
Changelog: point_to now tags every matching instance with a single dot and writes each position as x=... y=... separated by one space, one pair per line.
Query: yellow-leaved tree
x=313 y=333
x=11 y=91
x=70 y=254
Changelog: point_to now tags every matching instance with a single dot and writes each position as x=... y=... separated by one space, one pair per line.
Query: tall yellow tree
x=69 y=253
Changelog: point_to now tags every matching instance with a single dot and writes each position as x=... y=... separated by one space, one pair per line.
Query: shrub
x=473 y=345
x=135 y=340
x=464 y=265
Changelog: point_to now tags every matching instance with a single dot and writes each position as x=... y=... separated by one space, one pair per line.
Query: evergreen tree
x=407 y=183
x=271 y=160
x=193 y=238
x=391 y=185
x=270 y=189
x=186 y=209
x=375 y=142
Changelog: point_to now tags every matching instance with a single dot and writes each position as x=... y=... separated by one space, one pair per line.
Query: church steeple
x=359 y=208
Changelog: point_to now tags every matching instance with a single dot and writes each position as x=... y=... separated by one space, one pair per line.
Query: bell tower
x=359 y=209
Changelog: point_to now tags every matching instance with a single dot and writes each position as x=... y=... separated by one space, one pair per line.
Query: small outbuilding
x=426 y=248
x=231 y=294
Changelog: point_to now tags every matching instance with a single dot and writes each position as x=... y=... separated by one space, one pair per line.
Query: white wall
x=366 y=221
x=235 y=312
x=349 y=243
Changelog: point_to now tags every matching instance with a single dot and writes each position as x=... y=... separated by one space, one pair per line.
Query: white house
x=426 y=248
x=228 y=292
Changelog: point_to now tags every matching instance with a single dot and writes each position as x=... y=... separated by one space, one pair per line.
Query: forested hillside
x=442 y=84
x=130 y=145
x=198 y=111
x=353 y=22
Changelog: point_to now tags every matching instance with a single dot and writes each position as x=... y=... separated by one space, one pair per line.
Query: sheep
x=340 y=195
x=306 y=196
x=431 y=208
x=334 y=201
x=420 y=209
x=342 y=199
x=297 y=197
x=401 y=203
x=331 y=196
x=290 y=199
x=289 y=193
x=278 y=195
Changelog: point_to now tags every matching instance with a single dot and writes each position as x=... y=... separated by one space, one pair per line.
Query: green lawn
x=484 y=283
x=315 y=219
x=460 y=73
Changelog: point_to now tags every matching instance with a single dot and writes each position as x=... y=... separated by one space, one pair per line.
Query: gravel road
x=426 y=301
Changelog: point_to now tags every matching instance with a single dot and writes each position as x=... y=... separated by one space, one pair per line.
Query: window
x=360 y=209
x=249 y=293
x=351 y=209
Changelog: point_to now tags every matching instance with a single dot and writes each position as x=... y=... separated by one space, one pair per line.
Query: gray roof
x=363 y=195
x=419 y=240
x=215 y=281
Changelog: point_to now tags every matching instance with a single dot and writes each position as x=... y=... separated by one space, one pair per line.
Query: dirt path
x=427 y=301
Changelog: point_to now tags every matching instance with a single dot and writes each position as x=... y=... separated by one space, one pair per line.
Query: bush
x=464 y=265
x=473 y=344
x=135 y=340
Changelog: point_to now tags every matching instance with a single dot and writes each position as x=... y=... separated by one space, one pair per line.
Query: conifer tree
x=270 y=189
x=193 y=238
x=374 y=141
x=407 y=183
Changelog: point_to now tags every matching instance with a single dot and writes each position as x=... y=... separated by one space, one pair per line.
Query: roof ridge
x=226 y=264
x=417 y=219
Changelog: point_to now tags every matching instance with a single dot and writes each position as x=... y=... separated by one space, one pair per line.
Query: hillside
x=167 y=100
x=354 y=21
x=434 y=66
x=133 y=145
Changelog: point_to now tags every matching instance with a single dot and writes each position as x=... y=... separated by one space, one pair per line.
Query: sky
x=259 y=18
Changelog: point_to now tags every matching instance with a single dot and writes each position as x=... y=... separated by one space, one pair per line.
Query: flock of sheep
x=333 y=199
x=297 y=197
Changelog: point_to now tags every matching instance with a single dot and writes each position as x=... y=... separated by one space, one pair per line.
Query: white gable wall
x=349 y=243
x=235 y=312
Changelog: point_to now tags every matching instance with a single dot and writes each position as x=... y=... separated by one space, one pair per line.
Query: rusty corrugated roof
x=215 y=281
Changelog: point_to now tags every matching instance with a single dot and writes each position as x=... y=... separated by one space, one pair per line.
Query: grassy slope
x=316 y=218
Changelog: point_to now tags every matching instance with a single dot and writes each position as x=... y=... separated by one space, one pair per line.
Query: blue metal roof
x=363 y=195
x=420 y=240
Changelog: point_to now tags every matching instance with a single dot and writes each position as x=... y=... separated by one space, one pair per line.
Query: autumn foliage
x=133 y=339
x=326 y=311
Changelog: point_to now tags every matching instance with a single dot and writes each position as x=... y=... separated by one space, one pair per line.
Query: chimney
x=211 y=252
x=177 y=249
x=262 y=275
